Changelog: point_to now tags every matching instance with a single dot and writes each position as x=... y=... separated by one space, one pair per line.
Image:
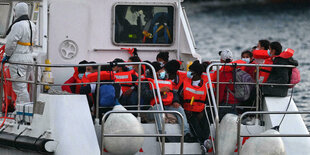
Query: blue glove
x=5 y=59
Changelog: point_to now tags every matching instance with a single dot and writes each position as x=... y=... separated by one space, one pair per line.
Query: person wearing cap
x=226 y=91
x=162 y=58
x=170 y=98
x=19 y=41
x=193 y=96
x=226 y=56
x=174 y=74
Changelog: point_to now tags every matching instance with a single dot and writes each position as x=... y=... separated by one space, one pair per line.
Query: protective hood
x=21 y=9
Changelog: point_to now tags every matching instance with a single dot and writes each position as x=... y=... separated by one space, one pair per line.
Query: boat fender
x=227 y=139
x=262 y=145
x=122 y=123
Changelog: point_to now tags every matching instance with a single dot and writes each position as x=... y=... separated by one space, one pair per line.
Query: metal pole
x=1 y=85
x=139 y=90
x=35 y=85
x=97 y=93
x=257 y=89
x=217 y=87
x=163 y=138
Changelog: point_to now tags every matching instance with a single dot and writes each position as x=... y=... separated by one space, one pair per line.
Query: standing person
x=260 y=54
x=193 y=96
x=19 y=42
x=162 y=58
x=170 y=98
x=278 y=75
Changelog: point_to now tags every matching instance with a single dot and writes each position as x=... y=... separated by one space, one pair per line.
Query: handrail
x=267 y=135
x=216 y=102
x=143 y=135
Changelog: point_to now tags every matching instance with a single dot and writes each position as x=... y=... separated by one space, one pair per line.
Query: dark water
x=239 y=27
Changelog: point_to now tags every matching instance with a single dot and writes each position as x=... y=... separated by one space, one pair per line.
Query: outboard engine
x=264 y=145
x=122 y=123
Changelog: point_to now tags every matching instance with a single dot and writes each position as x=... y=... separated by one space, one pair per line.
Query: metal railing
x=159 y=123
x=144 y=135
x=267 y=135
x=214 y=100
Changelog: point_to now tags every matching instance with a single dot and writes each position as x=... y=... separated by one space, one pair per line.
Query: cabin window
x=143 y=24
x=4 y=18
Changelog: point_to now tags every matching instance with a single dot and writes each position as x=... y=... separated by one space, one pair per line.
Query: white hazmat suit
x=19 y=51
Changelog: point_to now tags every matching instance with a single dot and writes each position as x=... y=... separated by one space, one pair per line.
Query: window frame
x=144 y=4
x=8 y=18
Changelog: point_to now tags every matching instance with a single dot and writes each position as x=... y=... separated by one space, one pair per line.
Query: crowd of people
x=182 y=91
x=186 y=91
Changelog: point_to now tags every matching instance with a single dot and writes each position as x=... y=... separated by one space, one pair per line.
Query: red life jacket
x=204 y=76
x=181 y=77
x=166 y=97
x=124 y=77
x=197 y=94
x=104 y=76
x=260 y=54
x=9 y=94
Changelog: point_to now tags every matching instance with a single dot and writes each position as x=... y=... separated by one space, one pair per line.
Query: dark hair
x=93 y=62
x=264 y=43
x=135 y=59
x=205 y=65
x=116 y=60
x=277 y=47
x=163 y=55
x=106 y=68
x=247 y=52
x=196 y=67
x=82 y=69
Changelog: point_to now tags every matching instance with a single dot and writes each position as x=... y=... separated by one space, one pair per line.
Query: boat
x=100 y=30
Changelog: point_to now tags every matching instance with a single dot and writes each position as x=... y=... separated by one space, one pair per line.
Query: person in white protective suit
x=18 y=49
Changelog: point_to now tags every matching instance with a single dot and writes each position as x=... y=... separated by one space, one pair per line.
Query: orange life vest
x=181 y=76
x=193 y=97
x=104 y=76
x=166 y=97
x=124 y=77
x=204 y=76
x=9 y=94
x=260 y=54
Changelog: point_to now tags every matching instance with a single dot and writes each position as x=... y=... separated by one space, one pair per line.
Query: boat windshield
x=143 y=24
x=4 y=18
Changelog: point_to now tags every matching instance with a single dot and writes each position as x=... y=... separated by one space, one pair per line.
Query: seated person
x=129 y=90
x=174 y=74
x=91 y=69
x=193 y=97
x=136 y=67
x=76 y=78
x=162 y=58
x=106 y=96
x=170 y=98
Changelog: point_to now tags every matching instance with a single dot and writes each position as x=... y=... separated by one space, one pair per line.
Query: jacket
x=279 y=75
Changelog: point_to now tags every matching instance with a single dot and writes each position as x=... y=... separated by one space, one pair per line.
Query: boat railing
x=214 y=99
x=36 y=82
x=239 y=135
x=145 y=135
